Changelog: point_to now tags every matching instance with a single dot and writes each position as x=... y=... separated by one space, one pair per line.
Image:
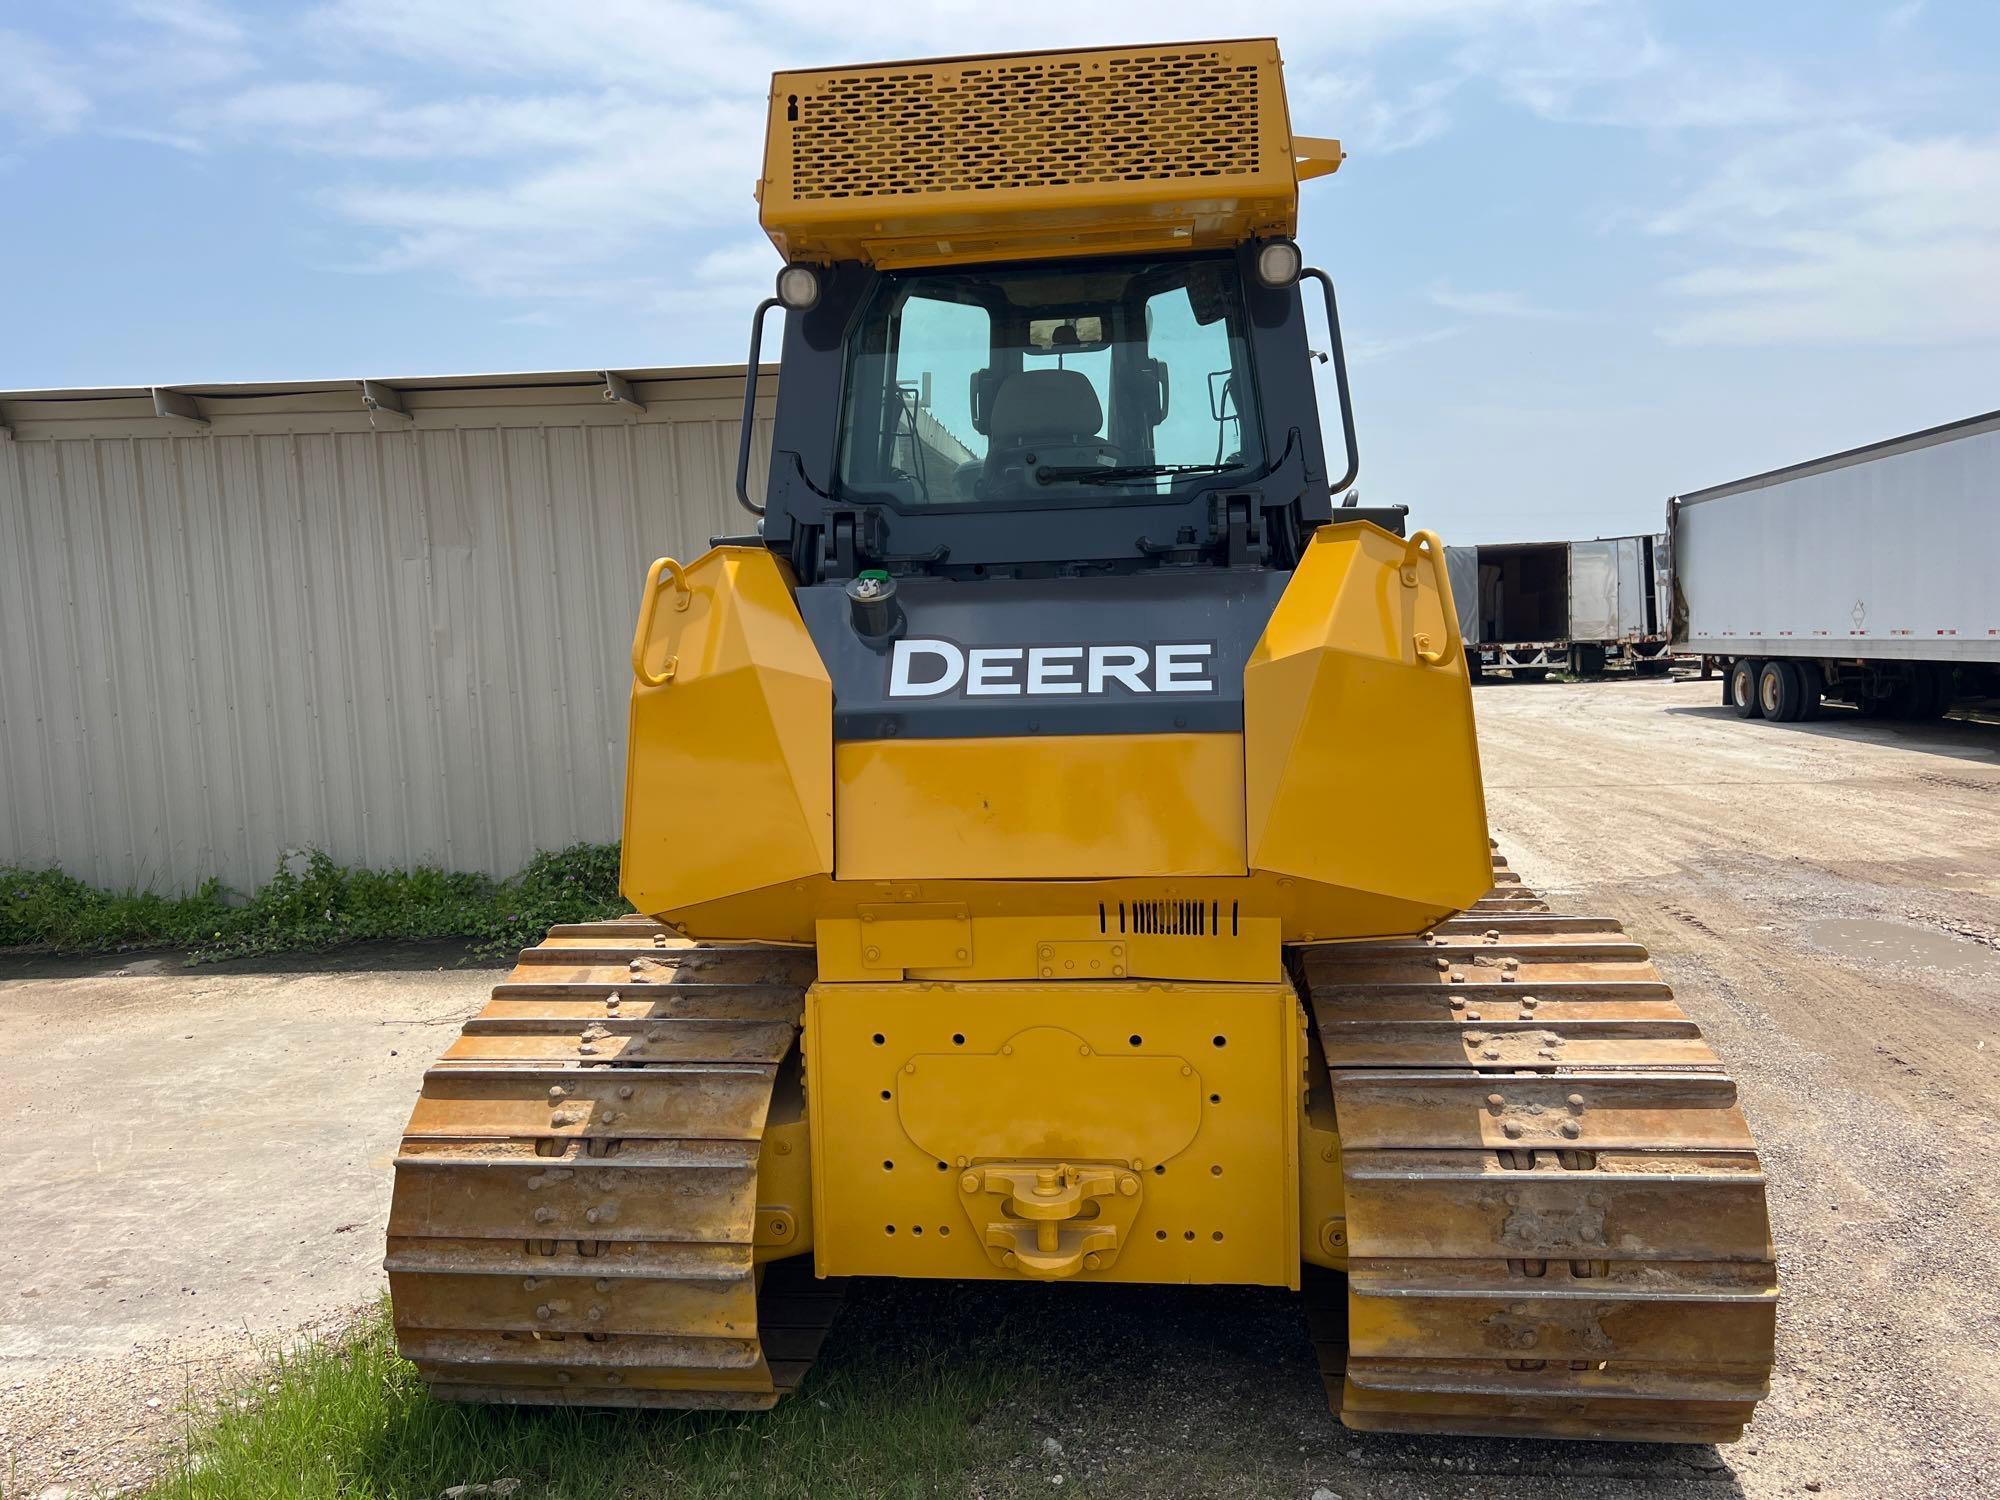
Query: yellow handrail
x=1426 y=544
x=642 y=637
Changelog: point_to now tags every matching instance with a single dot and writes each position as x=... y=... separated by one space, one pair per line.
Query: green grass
x=897 y=1415
x=311 y=903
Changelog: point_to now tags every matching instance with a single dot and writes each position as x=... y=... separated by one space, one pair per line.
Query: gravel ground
x=1825 y=898
x=202 y=1156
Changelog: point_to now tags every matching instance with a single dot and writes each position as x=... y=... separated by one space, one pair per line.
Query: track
x=1555 y=1213
x=575 y=1217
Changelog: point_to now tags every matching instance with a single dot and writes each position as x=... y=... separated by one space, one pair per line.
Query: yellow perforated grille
x=1035 y=122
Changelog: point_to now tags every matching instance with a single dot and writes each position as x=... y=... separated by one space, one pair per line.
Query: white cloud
x=42 y=91
x=1367 y=350
x=1607 y=66
x=1365 y=118
x=1491 y=304
x=1842 y=237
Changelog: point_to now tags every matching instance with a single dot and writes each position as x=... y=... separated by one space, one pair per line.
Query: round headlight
x=798 y=287
x=1278 y=263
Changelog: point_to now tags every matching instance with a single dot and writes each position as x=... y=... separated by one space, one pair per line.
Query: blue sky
x=1590 y=252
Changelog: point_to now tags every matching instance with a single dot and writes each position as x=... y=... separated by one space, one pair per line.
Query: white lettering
x=1052 y=669
x=931 y=668
x=1182 y=669
x=989 y=671
x=900 y=685
x=1123 y=664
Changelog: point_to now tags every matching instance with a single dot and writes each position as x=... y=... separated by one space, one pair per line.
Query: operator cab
x=1050 y=417
x=1047 y=385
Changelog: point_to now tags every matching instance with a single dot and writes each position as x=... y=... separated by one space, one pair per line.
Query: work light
x=1278 y=263
x=798 y=286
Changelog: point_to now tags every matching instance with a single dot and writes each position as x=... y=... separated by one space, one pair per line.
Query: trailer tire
x=1742 y=687
x=1586 y=661
x=1812 y=684
x=1924 y=695
x=1779 y=692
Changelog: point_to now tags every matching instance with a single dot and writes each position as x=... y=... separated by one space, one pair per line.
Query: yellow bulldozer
x=1059 y=838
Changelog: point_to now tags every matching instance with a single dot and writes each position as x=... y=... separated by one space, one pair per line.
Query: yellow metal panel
x=1066 y=807
x=1191 y=1089
x=728 y=781
x=1060 y=944
x=1362 y=770
x=1169 y=147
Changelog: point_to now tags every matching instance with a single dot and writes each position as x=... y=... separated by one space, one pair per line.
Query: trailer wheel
x=1924 y=695
x=1778 y=692
x=1742 y=688
x=1812 y=684
x=1586 y=661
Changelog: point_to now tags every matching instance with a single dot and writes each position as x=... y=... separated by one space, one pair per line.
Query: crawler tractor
x=1058 y=830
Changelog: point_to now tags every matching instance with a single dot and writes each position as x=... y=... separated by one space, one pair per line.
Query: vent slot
x=1183 y=114
x=1170 y=918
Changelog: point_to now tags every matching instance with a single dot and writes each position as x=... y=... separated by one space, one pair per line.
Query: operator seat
x=1043 y=417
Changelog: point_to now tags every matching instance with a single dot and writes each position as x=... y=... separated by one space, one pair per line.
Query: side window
x=1203 y=424
x=939 y=345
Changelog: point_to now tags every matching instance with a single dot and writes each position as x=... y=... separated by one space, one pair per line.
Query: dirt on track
x=1825 y=899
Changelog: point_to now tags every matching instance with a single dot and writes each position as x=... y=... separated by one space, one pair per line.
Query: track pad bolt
x=542 y=1312
x=625 y=1091
x=1571 y=1129
x=1511 y=1130
x=1443 y=964
x=1575 y=1102
x=1495 y=1103
x=545 y=1215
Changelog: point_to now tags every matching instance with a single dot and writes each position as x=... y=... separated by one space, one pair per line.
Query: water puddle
x=1877 y=940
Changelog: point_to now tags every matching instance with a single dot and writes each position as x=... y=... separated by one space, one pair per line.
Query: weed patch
x=354 y=1421
x=311 y=903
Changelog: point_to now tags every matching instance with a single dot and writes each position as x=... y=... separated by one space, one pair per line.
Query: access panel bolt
x=969 y=1182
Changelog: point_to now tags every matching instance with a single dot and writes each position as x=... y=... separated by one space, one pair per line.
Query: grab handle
x=1425 y=544
x=683 y=597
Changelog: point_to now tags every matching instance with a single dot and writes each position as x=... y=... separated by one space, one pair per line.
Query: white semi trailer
x=1531 y=608
x=1870 y=577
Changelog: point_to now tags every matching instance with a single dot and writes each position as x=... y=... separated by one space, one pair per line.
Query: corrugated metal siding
x=400 y=646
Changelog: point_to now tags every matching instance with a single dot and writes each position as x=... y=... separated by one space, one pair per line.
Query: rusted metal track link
x=576 y=1193
x=1555 y=1213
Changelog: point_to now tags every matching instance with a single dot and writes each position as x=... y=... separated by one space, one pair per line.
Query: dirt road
x=197 y=1155
x=197 y=1164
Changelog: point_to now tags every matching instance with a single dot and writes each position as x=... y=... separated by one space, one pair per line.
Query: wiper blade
x=1101 y=474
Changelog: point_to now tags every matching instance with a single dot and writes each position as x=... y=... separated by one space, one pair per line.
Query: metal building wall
x=401 y=643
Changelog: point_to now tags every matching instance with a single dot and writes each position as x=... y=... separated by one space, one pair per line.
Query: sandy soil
x=198 y=1168
x=200 y=1159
